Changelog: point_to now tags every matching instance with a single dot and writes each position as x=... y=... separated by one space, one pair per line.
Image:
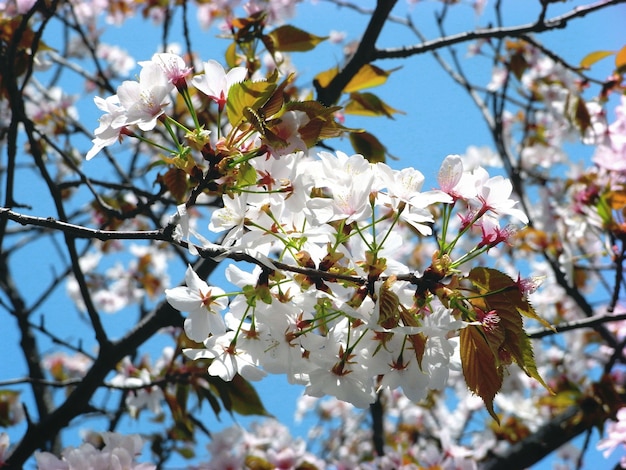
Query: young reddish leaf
x=594 y=57
x=518 y=64
x=418 y=341
x=291 y=39
x=507 y=294
x=616 y=199
x=581 y=116
x=481 y=369
x=175 y=181
x=388 y=304
x=620 y=59
x=368 y=76
x=368 y=146
x=502 y=295
x=368 y=104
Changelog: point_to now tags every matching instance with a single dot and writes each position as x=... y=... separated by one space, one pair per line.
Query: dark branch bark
x=558 y=22
x=364 y=54
x=78 y=401
x=560 y=430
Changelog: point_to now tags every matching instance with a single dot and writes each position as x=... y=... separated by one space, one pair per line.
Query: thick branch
x=78 y=231
x=78 y=401
x=560 y=430
x=364 y=54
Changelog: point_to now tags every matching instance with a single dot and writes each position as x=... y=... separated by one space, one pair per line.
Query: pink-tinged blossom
x=406 y=373
x=287 y=131
x=63 y=366
x=611 y=154
x=529 y=285
x=173 y=66
x=23 y=6
x=493 y=235
x=204 y=304
x=450 y=174
x=145 y=101
x=498 y=78
x=215 y=82
x=119 y=452
x=615 y=436
x=347 y=385
x=336 y=37
x=119 y=62
x=350 y=180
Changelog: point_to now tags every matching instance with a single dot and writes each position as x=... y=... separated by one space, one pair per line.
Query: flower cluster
x=331 y=302
x=346 y=320
x=118 y=452
x=268 y=444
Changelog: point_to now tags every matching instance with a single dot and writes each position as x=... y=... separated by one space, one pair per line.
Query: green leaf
x=246 y=176
x=291 y=39
x=368 y=104
x=481 y=369
x=369 y=146
x=246 y=96
x=529 y=366
x=594 y=57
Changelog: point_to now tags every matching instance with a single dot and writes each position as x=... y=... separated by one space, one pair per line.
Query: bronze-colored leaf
x=481 y=369
x=175 y=181
x=288 y=38
x=369 y=146
x=368 y=104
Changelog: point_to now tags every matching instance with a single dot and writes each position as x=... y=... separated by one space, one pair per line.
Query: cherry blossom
x=203 y=303
x=144 y=101
x=215 y=82
x=118 y=452
x=616 y=436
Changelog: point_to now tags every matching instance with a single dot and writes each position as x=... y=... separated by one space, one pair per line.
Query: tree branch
x=557 y=22
x=560 y=430
x=364 y=54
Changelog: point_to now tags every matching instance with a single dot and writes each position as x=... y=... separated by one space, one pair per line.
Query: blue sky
x=440 y=119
